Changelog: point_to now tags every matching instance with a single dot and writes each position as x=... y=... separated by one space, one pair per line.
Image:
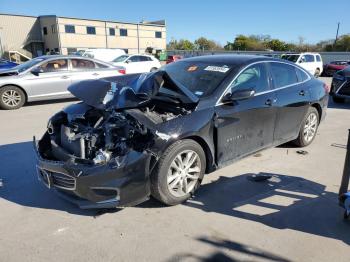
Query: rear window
x=302 y=76
x=292 y=58
x=201 y=78
x=283 y=74
x=318 y=58
x=309 y=58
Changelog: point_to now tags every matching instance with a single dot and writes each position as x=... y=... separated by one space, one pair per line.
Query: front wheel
x=308 y=128
x=179 y=172
x=317 y=73
x=11 y=97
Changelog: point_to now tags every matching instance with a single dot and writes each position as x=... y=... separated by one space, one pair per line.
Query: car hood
x=128 y=91
x=8 y=72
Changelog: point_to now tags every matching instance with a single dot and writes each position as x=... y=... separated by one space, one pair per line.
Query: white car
x=137 y=63
x=311 y=62
x=103 y=54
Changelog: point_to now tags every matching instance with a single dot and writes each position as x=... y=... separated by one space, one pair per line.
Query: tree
x=182 y=44
x=276 y=45
x=203 y=43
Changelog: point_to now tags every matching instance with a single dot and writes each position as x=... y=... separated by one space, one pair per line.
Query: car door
x=52 y=80
x=293 y=99
x=84 y=69
x=136 y=64
x=246 y=126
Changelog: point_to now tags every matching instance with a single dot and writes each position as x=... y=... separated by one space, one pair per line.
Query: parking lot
x=292 y=217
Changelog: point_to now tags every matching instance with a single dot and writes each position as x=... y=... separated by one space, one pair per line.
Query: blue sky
x=220 y=20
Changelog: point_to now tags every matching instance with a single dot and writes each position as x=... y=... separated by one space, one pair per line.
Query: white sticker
x=222 y=69
x=198 y=93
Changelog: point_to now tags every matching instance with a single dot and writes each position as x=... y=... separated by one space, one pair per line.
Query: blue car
x=6 y=64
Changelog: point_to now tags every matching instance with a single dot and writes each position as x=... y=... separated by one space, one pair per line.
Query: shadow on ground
x=53 y=101
x=282 y=202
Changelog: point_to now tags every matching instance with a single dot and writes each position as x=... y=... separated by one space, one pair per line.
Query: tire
x=338 y=100
x=167 y=182
x=153 y=69
x=317 y=73
x=11 y=97
x=306 y=139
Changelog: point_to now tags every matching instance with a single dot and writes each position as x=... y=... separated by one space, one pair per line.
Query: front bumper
x=117 y=183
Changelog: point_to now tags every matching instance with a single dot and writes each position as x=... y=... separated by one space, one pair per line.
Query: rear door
x=291 y=85
x=246 y=126
x=137 y=64
x=53 y=81
x=83 y=69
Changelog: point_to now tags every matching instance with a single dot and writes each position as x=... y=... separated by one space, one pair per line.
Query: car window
x=55 y=65
x=201 y=78
x=121 y=58
x=99 y=65
x=309 y=58
x=302 y=76
x=82 y=64
x=318 y=58
x=134 y=58
x=292 y=58
x=254 y=77
x=283 y=74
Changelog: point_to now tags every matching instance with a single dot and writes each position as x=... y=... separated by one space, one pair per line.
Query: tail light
x=326 y=87
x=122 y=71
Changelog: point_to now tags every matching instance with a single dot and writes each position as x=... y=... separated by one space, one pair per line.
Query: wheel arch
x=319 y=110
x=24 y=92
x=209 y=157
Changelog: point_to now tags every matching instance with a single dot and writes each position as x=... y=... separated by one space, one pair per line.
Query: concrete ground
x=292 y=217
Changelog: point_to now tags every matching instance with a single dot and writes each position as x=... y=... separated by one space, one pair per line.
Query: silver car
x=48 y=77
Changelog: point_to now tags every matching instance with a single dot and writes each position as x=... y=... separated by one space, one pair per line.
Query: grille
x=345 y=89
x=62 y=181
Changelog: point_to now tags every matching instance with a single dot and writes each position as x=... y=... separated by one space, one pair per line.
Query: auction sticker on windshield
x=222 y=69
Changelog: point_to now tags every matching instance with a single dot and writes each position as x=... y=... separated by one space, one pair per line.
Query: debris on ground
x=339 y=145
x=302 y=152
x=258 y=155
x=259 y=177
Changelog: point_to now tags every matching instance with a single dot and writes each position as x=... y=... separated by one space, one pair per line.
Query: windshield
x=292 y=58
x=201 y=78
x=23 y=67
x=121 y=58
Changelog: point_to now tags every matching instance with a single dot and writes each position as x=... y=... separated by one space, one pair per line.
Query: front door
x=246 y=126
x=52 y=81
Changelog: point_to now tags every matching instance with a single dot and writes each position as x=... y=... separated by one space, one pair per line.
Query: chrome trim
x=218 y=103
x=49 y=173
x=341 y=86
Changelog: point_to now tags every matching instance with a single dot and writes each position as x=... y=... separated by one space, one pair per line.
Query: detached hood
x=129 y=91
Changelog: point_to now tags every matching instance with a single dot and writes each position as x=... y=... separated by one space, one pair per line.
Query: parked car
x=173 y=58
x=334 y=66
x=6 y=64
x=340 y=88
x=103 y=54
x=158 y=133
x=48 y=77
x=312 y=62
x=137 y=63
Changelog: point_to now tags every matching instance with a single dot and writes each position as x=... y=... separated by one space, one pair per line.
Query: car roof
x=231 y=59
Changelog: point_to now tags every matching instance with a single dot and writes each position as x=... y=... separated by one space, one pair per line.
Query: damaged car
x=157 y=134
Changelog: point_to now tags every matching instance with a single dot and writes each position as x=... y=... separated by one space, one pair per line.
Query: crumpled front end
x=96 y=158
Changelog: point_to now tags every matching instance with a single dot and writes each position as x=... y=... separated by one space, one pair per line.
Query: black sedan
x=340 y=88
x=157 y=134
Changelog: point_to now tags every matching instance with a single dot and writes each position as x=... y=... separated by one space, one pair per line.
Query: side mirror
x=128 y=61
x=239 y=95
x=36 y=71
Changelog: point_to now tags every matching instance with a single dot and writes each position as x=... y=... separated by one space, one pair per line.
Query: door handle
x=95 y=74
x=302 y=93
x=65 y=77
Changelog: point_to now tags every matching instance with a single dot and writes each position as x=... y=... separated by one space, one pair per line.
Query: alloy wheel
x=183 y=173
x=11 y=98
x=310 y=127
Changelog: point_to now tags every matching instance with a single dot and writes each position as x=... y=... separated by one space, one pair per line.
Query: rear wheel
x=338 y=100
x=11 y=97
x=317 y=73
x=179 y=172
x=308 y=128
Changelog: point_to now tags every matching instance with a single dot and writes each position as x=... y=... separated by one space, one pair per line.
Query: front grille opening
x=106 y=192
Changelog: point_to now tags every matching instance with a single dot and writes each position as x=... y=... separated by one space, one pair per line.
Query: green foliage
x=260 y=43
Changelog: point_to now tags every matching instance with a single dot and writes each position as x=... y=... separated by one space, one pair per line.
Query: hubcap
x=183 y=173
x=310 y=127
x=11 y=98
